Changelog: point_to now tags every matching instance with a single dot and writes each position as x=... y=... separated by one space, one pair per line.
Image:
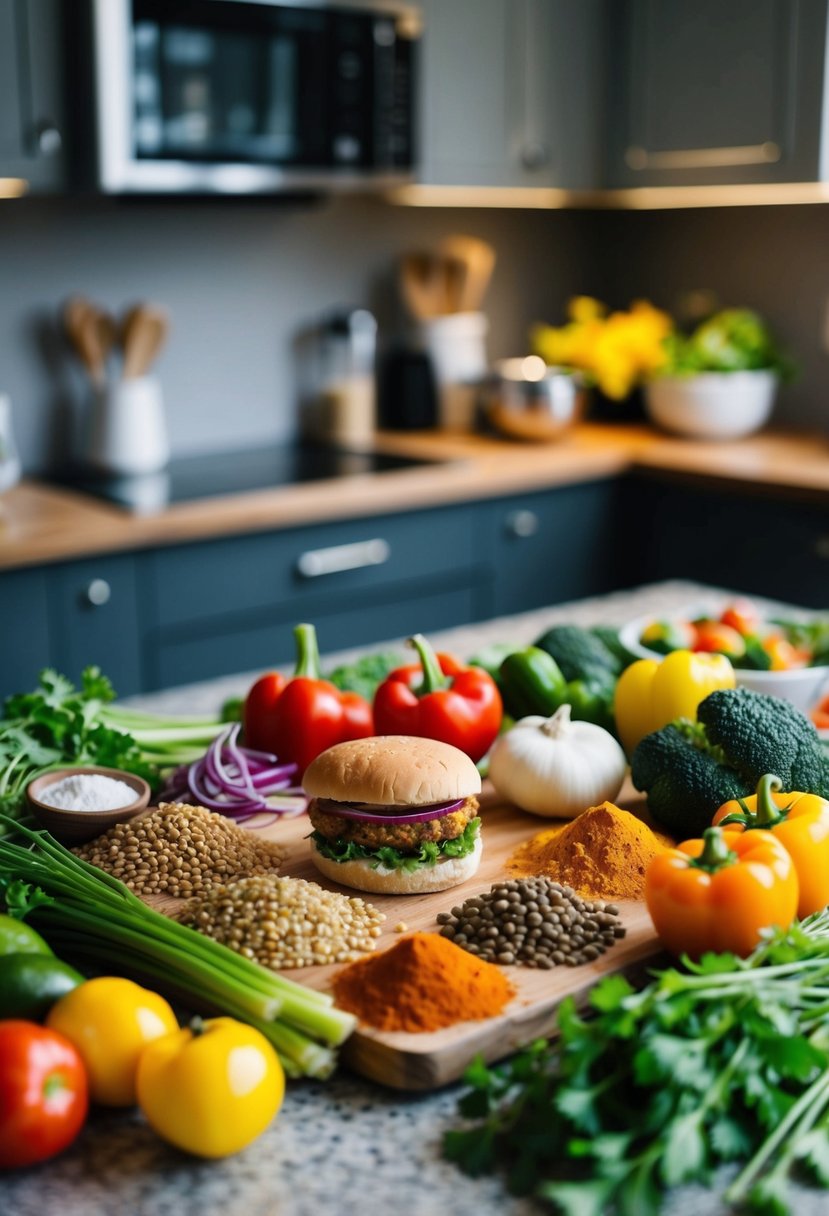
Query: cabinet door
x=510 y=92
x=31 y=93
x=96 y=619
x=25 y=645
x=735 y=539
x=715 y=92
x=555 y=546
x=230 y=605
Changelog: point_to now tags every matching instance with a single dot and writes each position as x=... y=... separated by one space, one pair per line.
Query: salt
x=88 y=792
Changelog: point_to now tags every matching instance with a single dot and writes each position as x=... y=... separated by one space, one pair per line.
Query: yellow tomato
x=211 y=1088
x=110 y=1021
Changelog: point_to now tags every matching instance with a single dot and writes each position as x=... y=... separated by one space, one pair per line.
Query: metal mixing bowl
x=526 y=399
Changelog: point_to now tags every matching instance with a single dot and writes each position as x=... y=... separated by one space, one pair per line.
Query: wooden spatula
x=82 y=321
x=473 y=261
x=144 y=330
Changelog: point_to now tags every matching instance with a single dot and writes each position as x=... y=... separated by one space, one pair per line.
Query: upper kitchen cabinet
x=711 y=93
x=32 y=128
x=511 y=91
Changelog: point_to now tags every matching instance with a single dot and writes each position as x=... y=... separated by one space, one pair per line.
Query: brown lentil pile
x=534 y=922
x=285 y=922
x=180 y=850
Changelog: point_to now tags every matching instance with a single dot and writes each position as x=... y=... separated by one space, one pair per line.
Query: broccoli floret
x=685 y=779
x=688 y=770
x=580 y=654
x=761 y=734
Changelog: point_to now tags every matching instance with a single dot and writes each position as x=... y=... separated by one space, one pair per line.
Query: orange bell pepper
x=800 y=822
x=718 y=893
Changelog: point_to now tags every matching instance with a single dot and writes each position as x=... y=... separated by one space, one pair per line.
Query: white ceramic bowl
x=712 y=405
x=804 y=686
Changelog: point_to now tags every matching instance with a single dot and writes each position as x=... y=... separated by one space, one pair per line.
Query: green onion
x=90 y=914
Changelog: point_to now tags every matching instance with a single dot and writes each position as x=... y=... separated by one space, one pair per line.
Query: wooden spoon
x=473 y=261
x=81 y=321
x=144 y=330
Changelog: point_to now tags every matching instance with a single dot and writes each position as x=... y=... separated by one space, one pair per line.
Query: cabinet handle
x=48 y=139
x=703 y=158
x=534 y=156
x=522 y=524
x=822 y=547
x=357 y=556
x=98 y=593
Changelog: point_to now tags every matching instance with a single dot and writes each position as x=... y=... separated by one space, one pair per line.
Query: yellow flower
x=617 y=351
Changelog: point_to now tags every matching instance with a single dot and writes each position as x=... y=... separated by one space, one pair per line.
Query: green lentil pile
x=180 y=850
x=285 y=922
x=535 y=922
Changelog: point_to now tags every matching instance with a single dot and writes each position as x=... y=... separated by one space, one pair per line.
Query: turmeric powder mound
x=602 y=854
x=423 y=982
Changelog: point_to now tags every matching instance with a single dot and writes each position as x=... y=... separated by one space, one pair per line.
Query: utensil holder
x=128 y=431
x=9 y=460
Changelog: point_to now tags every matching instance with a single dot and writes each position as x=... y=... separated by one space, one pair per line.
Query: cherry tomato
x=713 y=637
x=742 y=616
x=43 y=1093
x=820 y=714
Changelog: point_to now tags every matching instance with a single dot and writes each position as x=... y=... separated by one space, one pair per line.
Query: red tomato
x=742 y=616
x=43 y=1093
x=713 y=637
x=783 y=655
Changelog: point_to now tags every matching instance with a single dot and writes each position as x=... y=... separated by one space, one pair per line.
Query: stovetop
x=218 y=474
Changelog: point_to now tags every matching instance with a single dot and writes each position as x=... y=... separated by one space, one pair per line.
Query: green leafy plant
x=734 y=340
x=725 y=1062
x=58 y=724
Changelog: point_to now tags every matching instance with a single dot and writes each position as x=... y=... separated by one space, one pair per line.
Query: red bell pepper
x=299 y=717
x=439 y=698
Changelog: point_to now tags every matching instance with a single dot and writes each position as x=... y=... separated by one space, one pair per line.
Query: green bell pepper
x=531 y=683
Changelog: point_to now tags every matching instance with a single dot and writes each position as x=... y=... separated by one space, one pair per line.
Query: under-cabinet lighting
x=639 y=198
x=13 y=187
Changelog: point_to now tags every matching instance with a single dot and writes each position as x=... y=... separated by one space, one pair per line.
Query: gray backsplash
x=774 y=259
x=240 y=278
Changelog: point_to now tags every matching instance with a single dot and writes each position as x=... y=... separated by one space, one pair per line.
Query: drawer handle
x=98 y=593
x=357 y=556
x=522 y=524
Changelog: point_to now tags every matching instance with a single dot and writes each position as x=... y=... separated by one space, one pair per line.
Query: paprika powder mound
x=603 y=854
x=423 y=982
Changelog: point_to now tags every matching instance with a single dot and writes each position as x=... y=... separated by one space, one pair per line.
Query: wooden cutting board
x=427 y=1061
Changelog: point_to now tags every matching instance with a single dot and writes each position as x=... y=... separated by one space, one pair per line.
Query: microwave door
x=235 y=97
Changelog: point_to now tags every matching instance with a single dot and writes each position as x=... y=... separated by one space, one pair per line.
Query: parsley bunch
x=725 y=1062
x=59 y=724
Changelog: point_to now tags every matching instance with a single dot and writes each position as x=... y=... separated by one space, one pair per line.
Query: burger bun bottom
x=448 y=872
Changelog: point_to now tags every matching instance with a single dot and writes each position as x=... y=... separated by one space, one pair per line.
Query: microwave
x=253 y=96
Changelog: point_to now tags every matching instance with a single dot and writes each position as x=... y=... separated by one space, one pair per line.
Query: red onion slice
x=354 y=810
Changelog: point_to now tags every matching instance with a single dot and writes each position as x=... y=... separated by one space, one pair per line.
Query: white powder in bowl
x=88 y=792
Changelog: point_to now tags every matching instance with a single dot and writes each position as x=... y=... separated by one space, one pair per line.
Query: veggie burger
x=394 y=814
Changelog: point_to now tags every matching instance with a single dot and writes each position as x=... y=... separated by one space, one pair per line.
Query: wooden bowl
x=74 y=827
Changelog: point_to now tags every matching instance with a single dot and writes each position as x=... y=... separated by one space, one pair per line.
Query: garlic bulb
x=556 y=767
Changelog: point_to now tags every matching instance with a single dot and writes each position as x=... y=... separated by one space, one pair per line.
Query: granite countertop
x=343 y=1148
x=42 y=523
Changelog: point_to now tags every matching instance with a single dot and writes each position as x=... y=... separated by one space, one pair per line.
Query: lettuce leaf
x=429 y=853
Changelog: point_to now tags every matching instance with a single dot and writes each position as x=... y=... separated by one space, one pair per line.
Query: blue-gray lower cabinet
x=752 y=543
x=96 y=619
x=25 y=645
x=554 y=546
x=230 y=605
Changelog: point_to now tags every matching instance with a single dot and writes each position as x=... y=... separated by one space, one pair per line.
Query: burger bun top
x=392 y=770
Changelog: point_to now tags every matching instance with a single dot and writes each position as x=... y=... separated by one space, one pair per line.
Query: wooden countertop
x=41 y=523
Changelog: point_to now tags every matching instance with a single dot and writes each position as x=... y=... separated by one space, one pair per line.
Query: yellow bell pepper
x=210 y=1088
x=650 y=693
x=110 y=1021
